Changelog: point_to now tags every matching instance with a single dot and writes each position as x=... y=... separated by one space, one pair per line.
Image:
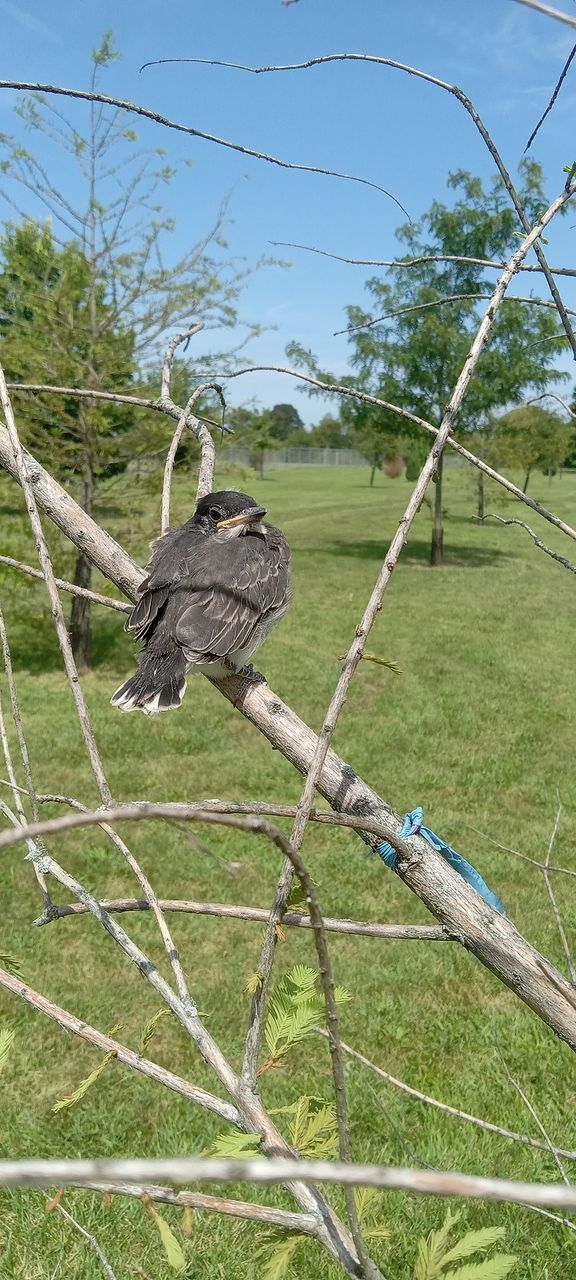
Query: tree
x=411 y=347
x=112 y=283
x=534 y=439
x=284 y=421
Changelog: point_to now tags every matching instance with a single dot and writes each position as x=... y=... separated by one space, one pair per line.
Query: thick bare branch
x=549 y=11
x=47 y=1173
x=262 y=1214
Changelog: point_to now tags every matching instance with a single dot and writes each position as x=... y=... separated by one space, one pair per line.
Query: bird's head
x=229 y=512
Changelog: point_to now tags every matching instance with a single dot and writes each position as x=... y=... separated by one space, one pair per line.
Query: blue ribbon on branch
x=413 y=825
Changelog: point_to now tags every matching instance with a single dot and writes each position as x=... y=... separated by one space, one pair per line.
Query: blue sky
x=371 y=121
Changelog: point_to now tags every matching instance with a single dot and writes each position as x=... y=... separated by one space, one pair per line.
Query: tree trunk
x=480 y=495
x=80 y=616
x=437 y=548
x=373 y=473
x=526 y=480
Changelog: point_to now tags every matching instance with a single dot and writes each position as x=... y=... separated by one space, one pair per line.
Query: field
x=477 y=728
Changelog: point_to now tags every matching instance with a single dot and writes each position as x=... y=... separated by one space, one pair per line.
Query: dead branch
x=491 y=515
x=455 y=1112
x=263 y=1214
x=552 y=896
x=442 y=302
x=549 y=11
x=85 y=96
x=186 y=1169
x=407 y=262
x=107 y=601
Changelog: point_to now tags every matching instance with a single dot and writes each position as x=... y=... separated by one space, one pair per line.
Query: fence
x=297 y=456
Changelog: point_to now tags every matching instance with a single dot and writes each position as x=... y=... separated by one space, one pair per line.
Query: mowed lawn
x=478 y=728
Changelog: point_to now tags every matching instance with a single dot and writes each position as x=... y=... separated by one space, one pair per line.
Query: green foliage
x=435 y=1254
x=276 y=1252
x=236 y=1146
x=312 y=1127
x=368 y=1207
x=148 y=1030
x=171 y=1246
x=7 y=1036
x=70 y=1099
x=534 y=439
x=11 y=964
x=294 y=1010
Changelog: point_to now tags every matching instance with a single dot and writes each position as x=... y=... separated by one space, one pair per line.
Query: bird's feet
x=248 y=676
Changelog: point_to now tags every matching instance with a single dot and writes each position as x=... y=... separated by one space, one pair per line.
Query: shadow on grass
x=35 y=648
x=417 y=552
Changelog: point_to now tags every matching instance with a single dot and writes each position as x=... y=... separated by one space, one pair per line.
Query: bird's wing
x=173 y=559
x=234 y=587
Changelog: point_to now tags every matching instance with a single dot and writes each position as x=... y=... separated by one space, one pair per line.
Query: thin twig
x=16 y=791
x=365 y=398
x=107 y=1044
x=441 y=302
x=491 y=515
x=549 y=11
x=85 y=96
x=63 y=585
x=263 y=1214
x=469 y=107
x=230 y=911
x=92 y=1241
x=447 y=1109
x=553 y=1151
x=566 y=871
x=557 y=88
x=552 y=395
x=552 y=896
x=52 y=589
x=116 y=397
x=207 y=459
x=171 y=349
x=414 y=262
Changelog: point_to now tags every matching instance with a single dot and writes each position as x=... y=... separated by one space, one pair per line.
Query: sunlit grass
x=478 y=729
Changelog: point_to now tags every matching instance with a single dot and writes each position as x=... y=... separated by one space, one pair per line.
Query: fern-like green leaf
x=496 y=1268
x=275 y=1254
x=71 y=1098
x=432 y=1250
x=172 y=1248
x=12 y=965
x=253 y=983
x=236 y=1145
x=313 y=1130
x=302 y=977
x=6 y=1042
x=341 y=995
x=148 y=1030
x=473 y=1242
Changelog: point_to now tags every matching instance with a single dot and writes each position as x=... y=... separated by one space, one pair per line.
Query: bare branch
x=557 y=88
x=92 y=1241
x=552 y=395
x=441 y=302
x=47 y=570
x=207 y=459
x=417 y=261
x=186 y=1169
x=491 y=515
x=85 y=96
x=230 y=911
x=63 y=585
x=447 y=1109
x=263 y=1214
x=549 y=11
x=535 y=1117
x=468 y=107
x=116 y=397
x=171 y=349
x=366 y=398
x=108 y=1045
x=552 y=896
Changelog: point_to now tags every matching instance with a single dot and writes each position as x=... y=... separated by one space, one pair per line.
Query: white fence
x=297 y=456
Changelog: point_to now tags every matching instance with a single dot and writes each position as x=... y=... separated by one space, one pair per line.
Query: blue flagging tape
x=413 y=825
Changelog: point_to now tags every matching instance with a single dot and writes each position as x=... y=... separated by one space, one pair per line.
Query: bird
x=215 y=589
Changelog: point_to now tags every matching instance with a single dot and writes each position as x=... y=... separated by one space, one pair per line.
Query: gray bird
x=215 y=589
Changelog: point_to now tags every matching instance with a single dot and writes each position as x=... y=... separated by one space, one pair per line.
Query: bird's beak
x=252 y=515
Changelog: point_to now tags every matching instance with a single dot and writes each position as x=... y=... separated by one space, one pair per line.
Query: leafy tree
x=107 y=279
x=410 y=345
x=534 y=439
x=284 y=421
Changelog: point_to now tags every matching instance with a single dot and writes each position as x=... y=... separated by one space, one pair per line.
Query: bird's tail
x=159 y=684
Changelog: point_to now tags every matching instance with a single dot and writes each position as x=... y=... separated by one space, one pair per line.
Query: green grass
x=478 y=729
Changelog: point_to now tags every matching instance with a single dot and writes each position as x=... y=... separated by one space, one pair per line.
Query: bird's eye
x=215 y=514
